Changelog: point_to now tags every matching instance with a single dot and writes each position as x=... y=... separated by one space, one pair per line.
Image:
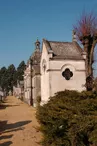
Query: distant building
x=60 y=66
x=18 y=91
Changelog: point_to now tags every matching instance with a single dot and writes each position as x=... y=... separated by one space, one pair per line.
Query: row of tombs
x=55 y=67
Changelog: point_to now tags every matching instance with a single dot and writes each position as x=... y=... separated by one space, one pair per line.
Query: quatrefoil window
x=67 y=74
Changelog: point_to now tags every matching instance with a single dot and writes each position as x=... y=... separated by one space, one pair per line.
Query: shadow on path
x=6 y=128
x=6 y=136
x=3 y=106
x=12 y=127
x=8 y=143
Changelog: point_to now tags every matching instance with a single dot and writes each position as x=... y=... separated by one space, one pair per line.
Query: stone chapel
x=32 y=77
x=58 y=66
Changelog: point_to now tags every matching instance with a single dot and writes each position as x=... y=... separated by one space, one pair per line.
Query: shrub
x=68 y=119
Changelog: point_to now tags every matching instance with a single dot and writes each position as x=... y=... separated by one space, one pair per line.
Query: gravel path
x=18 y=125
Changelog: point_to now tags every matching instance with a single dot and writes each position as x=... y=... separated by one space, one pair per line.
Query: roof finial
x=37 y=44
x=74 y=36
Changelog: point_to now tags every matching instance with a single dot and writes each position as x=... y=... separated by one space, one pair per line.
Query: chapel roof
x=36 y=55
x=34 y=59
x=64 y=50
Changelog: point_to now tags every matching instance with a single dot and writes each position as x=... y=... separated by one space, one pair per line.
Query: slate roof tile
x=66 y=50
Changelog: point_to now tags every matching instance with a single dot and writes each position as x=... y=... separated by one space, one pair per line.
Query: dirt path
x=18 y=124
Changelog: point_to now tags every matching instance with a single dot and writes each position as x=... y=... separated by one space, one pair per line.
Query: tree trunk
x=91 y=58
x=86 y=46
x=74 y=142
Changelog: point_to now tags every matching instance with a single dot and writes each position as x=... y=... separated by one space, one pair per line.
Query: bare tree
x=86 y=31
